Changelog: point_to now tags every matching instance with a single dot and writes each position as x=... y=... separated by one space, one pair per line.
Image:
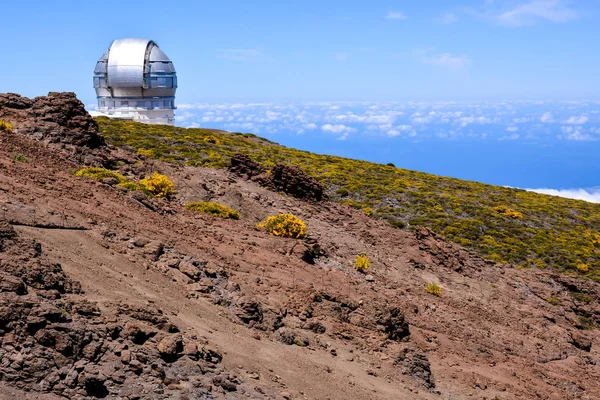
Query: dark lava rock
x=282 y=178
x=416 y=365
x=316 y=327
x=394 y=324
x=59 y=117
x=243 y=166
x=295 y=182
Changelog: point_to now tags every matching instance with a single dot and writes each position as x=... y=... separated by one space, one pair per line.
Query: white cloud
x=446 y=60
x=547 y=117
x=448 y=18
x=396 y=15
x=574 y=133
x=514 y=136
x=342 y=56
x=401 y=129
x=512 y=128
x=238 y=54
x=464 y=121
x=529 y=12
x=591 y=195
x=338 y=129
x=577 y=120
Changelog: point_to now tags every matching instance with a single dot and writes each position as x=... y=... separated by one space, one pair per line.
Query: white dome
x=134 y=79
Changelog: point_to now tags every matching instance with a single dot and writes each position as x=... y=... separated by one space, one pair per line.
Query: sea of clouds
x=576 y=120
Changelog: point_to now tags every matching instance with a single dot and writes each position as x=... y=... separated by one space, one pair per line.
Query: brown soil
x=290 y=318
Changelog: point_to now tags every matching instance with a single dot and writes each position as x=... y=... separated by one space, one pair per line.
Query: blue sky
x=484 y=64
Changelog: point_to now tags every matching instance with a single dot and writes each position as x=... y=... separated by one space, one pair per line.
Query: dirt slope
x=284 y=327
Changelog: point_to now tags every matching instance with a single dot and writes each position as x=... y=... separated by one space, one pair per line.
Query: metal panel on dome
x=157 y=54
x=126 y=62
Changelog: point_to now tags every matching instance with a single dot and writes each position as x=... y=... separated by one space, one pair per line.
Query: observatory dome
x=135 y=80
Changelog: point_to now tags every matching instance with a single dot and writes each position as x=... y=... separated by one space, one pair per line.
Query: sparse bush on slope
x=284 y=225
x=362 y=263
x=214 y=209
x=434 y=289
x=159 y=185
x=554 y=232
x=5 y=126
x=100 y=174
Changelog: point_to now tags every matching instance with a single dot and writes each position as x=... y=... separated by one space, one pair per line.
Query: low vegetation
x=159 y=185
x=503 y=224
x=433 y=288
x=21 y=158
x=214 y=209
x=284 y=225
x=5 y=126
x=362 y=263
x=100 y=174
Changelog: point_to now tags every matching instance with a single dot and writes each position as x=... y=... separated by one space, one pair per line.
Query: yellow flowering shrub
x=509 y=212
x=582 y=267
x=211 y=139
x=101 y=173
x=159 y=185
x=145 y=152
x=362 y=262
x=284 y=225
x=5 y=126
x=215 y=209
x=433 y=288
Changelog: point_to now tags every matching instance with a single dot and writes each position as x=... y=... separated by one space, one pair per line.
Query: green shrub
x=215 y=209
x=284 y=225
x=555 y=301
x=21 y=158
x=342 y=192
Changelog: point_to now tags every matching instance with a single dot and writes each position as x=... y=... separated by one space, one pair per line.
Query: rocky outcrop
x=55 y=342
x=243 y=166
x=282 y=178
x=57 y=118
x=415 y=364
x=295 y=182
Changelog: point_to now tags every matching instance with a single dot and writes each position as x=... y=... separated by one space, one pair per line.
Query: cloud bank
x=515 y=121
x=591 y=195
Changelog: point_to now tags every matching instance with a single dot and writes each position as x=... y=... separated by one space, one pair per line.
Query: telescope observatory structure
x=135 y=80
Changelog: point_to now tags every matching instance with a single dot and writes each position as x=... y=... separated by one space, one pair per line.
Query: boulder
x=59 y=117
x=170 y=347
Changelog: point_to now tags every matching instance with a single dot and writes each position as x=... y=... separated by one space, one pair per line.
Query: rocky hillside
x=108 y=291
x=502 y=224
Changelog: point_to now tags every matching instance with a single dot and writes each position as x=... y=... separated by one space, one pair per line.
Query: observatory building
x=135 y=80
